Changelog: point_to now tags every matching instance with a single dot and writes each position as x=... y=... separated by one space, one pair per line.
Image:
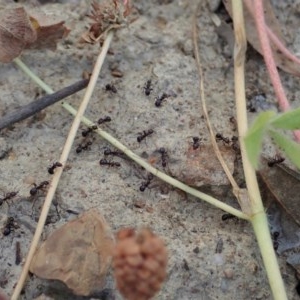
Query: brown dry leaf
x=281 y=60
x=16 y=31
x=79 y=254
x=284 y=184
x=20 y=29
x=106 y=16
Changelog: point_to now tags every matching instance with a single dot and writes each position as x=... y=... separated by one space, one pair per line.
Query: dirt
x=208 y=258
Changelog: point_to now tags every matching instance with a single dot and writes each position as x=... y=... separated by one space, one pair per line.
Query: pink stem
x=269 y=59
x=281 y=46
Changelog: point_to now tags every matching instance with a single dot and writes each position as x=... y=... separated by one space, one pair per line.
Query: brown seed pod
x=139 y=262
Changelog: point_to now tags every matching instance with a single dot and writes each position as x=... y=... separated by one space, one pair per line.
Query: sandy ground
x=157 y=46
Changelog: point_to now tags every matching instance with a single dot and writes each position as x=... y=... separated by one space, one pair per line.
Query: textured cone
x=140 y=262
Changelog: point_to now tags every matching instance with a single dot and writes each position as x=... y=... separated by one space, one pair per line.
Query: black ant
x=87 y=131
x=55 y=165
x=7 y=197
x=103 y=120
x=36 y=188
x=9 y=226
x=104 y=161
x=220 y=137
x=196 y=142
x=146 y=183
x=148 y=88
x=108 y=151
x=159 y=99
x=85 y=146
x=144 y=134
x=275 y=236
x=164 y=156
x=275 y=160
x=226 y=217
x=111 y=88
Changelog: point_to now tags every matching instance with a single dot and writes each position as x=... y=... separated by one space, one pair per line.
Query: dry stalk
x=235 y=187
x=63 y=160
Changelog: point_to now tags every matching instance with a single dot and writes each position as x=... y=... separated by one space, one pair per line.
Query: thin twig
x=34 y=107
x=63 y=159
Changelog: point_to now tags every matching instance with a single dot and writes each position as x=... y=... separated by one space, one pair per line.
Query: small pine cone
x=140 y=262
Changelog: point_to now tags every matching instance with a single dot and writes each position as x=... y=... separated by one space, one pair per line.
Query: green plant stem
x=137 y=159
x=174 y=182
x=258 y=217
x=34 y=77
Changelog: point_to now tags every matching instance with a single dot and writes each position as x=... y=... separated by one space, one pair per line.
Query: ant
x=159 y=99
x=83 y=147
x=275 y=236
x=144 y=134
x=107 y=151
x=9 y=226
x=220 y=137
x=104 y=161
x=86 y=132
x=55 y=165
x=36 y=188
x=111 y=88
x=103 y=120
x=8 y=196
x=146 y=183
x=164 y=156
x=275 y=160
x=148 y=88
x=226 y=217
x=196 y=142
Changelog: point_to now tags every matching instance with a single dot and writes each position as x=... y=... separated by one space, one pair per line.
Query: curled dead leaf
x=79 y=254
x=20 y=29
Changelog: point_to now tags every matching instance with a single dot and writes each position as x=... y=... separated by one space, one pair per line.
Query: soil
x=208 y=258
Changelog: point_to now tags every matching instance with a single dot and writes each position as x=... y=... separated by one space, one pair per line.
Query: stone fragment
x=78 y=254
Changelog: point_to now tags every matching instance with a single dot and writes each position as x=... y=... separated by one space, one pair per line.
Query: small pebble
x=228 y=273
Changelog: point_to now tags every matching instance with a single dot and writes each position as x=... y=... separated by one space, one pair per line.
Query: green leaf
x=255 y=134
x=289 y=120
x=290 y=147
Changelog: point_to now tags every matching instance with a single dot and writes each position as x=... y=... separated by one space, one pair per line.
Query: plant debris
x=106 y=16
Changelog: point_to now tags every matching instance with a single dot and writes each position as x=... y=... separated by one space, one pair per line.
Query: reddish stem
x=269 y=59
